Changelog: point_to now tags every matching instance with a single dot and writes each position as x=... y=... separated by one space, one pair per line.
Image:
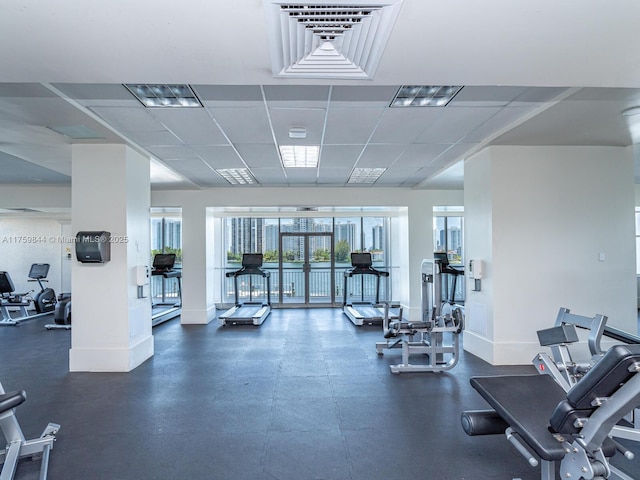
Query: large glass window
x=166 y=237
x=311 y=250
x=448 y=237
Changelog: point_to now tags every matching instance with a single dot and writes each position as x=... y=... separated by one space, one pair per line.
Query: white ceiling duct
x=329 y=39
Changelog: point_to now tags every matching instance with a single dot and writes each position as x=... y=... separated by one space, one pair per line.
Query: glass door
x=306 y=269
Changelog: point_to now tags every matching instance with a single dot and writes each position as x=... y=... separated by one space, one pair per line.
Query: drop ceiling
x=533 y=73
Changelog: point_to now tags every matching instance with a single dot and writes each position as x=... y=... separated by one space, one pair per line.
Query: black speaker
x=93 y=247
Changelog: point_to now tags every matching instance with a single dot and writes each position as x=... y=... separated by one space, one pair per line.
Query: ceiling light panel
x=236 y=176
x=300 y=156
x=340 y=40
x=366 y=175
x=424 y=95
x=164 y=95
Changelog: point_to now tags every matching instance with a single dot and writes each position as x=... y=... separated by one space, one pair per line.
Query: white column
x=197 y=265
x=111 y=325
x=555 y=228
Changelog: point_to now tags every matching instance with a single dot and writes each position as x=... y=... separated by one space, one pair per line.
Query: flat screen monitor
x=252 y=260
x=39 y=270
x=164 y=261
x=361 y=260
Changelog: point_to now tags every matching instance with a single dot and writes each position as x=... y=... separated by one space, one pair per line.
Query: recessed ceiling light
x=631 y=111
x=77 y=132
x=297 y=132
x=164 y=95
x=159 y=173
x=424 y=95
x=237 y=176
x=300 y=156
x=366 y=175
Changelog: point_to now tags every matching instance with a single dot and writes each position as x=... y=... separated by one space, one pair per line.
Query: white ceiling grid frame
x=305 y=42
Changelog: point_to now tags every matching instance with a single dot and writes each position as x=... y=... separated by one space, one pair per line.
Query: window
x=166 y=237
x=262 y=235
x=448 y=237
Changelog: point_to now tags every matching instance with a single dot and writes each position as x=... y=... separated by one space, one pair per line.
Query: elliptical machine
x=45 y=300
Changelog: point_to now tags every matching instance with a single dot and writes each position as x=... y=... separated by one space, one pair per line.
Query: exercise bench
x=17 y=446
x=569 y=429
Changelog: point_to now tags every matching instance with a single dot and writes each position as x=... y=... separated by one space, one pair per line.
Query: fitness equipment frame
x=252 y=313
x=572 y=428
x=567 y=373
x=44 y=301
x=163 y=264
x=17 y=446
x=62 y=314
x=437 y=336
x=370 y=313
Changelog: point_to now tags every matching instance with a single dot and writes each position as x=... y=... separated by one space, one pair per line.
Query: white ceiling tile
x=497 y=94
x=337 y=156
x=269 y=176
x=173 y=152
x=193 y=126
x=350 y=126
x=283 y=119
x=301 y=175
x=405 y=124
x=420 y=155
x=503 y=119
x=222 y=156
x=380 y=155
x=154 y=138
x=128 y=119
x=228 y=93
x=334 y=175
x=455 y=123
x=244 y=125
x=259 y=155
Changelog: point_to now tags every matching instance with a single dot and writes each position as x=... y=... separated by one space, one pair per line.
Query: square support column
x=555 y=228
x=111 y=325
x=198 y=305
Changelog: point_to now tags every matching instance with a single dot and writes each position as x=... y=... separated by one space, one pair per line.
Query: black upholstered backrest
x=6 y=285
x=605 y=377
x=602 y=381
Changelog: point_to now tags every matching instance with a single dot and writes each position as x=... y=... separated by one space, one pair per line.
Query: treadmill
x=449 y=304
x=248 y=313
x=366 y=313
x=163 y=264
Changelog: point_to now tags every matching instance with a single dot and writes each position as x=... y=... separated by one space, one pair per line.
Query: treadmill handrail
x=365 y=271
x=248 y=271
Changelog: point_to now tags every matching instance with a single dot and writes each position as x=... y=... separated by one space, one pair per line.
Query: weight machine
x=436 y=336
x=17 y=446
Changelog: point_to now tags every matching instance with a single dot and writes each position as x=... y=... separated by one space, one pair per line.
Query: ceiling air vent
x=329 y=40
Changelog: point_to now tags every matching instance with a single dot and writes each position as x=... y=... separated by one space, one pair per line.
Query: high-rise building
x=247 y=235
x=346 y=231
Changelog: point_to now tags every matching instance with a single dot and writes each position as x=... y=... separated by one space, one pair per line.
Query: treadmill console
x=252 y=260
x=164 y=262
x=361 y=260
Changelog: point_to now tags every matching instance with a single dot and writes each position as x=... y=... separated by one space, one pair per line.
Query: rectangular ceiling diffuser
x=332 y=40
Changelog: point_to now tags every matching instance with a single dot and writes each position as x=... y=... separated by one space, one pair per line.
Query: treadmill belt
x=367 y=311
x=246 y=311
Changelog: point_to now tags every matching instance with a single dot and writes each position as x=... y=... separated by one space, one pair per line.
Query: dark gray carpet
x=304 y=396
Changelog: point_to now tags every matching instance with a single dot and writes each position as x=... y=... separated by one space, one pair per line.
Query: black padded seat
x=526 y=402
x=11 y=400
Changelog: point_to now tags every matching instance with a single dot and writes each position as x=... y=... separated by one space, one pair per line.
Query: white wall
x=541 y=217
x=28 y=240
